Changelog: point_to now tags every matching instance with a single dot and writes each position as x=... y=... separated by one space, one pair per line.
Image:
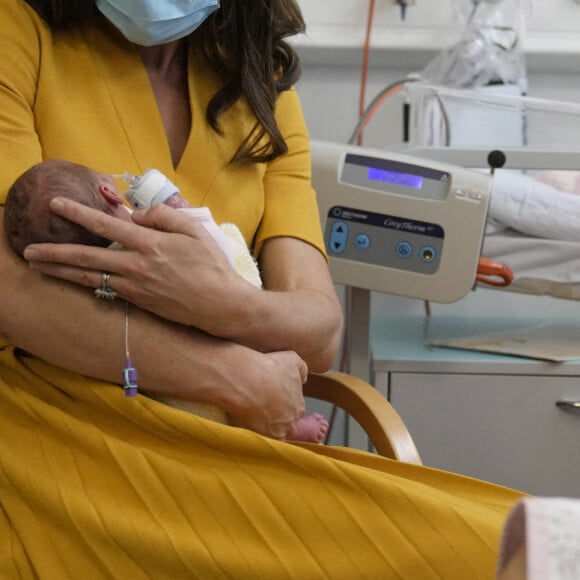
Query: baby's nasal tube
x=127 y=177
x=151 y=189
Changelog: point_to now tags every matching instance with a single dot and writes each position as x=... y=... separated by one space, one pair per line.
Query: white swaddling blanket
x=527 y=205
x=534 y=228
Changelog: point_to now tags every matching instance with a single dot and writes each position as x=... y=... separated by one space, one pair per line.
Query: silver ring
x=105 y=292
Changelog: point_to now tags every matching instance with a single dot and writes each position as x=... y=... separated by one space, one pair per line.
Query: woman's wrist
x=262 y=391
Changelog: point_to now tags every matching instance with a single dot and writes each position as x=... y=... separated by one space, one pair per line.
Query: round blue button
x=362 y=241
x=404 y=249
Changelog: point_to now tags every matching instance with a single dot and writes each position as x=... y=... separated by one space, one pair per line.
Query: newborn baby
x=28 y=219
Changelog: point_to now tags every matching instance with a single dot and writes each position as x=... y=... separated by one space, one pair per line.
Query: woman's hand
x=171 y=267
x=270 y=399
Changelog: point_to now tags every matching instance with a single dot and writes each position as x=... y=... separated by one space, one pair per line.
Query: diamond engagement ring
x=105 y=292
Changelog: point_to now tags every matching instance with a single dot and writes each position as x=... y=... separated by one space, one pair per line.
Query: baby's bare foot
x=311 y=429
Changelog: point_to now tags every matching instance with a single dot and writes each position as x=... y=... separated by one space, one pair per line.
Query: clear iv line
x=129 y=372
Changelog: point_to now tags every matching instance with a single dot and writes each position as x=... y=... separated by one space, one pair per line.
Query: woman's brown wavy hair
x=244 y=42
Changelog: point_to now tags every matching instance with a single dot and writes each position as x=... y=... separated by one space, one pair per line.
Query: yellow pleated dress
x=94 y=485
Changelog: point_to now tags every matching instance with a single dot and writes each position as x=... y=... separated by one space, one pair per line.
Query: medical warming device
x=400 y=224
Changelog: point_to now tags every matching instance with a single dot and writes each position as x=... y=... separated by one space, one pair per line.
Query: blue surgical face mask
x=153 y=22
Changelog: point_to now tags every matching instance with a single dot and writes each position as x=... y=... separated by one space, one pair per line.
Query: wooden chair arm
x=369 y=408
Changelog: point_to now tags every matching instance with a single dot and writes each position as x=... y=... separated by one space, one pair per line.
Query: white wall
x=551 y=26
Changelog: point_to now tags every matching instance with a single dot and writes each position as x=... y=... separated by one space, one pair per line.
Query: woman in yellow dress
x=97 y=485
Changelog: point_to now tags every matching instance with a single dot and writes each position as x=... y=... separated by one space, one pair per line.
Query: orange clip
x=494 y=274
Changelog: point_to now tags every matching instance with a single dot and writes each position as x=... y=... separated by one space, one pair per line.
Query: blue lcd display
x=406 y=179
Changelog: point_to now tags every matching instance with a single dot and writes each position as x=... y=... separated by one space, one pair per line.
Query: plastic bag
x=489 y=50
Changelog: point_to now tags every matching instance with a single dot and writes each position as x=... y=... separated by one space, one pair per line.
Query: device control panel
x=384 y=240
x=397 y=223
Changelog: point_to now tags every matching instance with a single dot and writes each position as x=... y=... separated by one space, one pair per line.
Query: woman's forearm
x=67 y=326
x=305 y=321
x=173 y=268
x=298 y=311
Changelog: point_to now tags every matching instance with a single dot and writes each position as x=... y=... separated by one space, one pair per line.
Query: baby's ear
x=110 y=194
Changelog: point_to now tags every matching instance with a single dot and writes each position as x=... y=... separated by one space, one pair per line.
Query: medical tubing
x=493 y=273
x=154 y=188
x=377 y=100
x=148 y=190
x=130 y=375
x=365 y=65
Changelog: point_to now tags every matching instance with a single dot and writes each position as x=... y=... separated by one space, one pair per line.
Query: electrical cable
x=374 y=105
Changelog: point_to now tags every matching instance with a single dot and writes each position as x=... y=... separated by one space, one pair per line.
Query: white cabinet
x=487 y=416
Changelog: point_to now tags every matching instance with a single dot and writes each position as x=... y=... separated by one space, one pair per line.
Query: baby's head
x=28 y=218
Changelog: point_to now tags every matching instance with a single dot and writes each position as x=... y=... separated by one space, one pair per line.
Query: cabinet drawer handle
x=573 y=406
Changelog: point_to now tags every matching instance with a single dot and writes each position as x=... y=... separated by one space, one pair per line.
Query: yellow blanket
x=94 y=485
